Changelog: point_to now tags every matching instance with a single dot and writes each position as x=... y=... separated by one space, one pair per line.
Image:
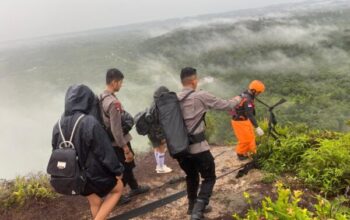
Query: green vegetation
x=320 y=159
x=304 y=58
x=16 y=193
x=316 y=159
x=327 y=167
x=287 y=207
x=216 y=123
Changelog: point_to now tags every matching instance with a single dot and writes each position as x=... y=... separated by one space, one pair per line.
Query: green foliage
x=286 y=154
x=327 y=167
x=286 y=207
x=332 y=210
x=218 y=128
x=321 y=159
x=311 y=73
x=269 y=178
x=23 y=189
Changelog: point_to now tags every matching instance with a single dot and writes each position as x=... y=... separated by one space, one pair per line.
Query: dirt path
x=227 y=196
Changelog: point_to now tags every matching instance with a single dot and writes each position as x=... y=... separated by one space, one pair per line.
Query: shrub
x=22 y=189
x=286 y=207
x=321 y=159
x=286 y=154
x=327 y=167
x=218 y=128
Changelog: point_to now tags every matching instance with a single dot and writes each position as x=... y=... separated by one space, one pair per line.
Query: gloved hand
x=259 y=131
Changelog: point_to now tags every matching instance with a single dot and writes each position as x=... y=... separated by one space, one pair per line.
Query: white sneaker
x=164 y=169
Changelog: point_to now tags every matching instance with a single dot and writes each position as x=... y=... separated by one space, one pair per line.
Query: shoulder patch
x=118 y=106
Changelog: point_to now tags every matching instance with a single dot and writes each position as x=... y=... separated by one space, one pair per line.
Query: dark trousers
x=193 y=165
x=128 y=175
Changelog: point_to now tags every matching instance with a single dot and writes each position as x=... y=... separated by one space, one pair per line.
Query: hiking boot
x=123 y=200
x=241 y=157
x=190 y=207
x=163 y=169
x=207 y=209
x=139 y=190
x=197 y=212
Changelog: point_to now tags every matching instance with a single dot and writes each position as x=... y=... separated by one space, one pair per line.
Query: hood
x=79 y=98
x=159 y=91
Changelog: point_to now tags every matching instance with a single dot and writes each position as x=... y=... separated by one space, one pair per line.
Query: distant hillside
x=304 y=57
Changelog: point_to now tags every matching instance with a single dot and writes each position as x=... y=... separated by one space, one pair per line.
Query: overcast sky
x=30 y=18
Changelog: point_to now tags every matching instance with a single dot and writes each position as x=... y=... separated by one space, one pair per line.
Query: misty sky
x=30 y=18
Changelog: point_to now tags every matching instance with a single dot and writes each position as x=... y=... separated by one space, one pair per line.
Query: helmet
x=257 y=85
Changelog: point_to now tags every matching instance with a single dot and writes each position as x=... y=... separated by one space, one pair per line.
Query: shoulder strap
x=101 y=105
x=186 y=96
x=65 y=142
x=203 y=117
x=198 y=123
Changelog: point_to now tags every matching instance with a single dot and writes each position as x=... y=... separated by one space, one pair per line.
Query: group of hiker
x=92 y=152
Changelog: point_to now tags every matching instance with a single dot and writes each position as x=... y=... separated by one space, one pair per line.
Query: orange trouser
x=245 y=135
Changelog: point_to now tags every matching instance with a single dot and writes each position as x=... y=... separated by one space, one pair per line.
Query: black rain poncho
x=90 y=140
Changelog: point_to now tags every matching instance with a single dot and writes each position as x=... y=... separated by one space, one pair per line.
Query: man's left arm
x=213 y=102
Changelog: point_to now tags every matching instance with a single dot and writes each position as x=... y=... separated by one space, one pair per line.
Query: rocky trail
x=227 y=196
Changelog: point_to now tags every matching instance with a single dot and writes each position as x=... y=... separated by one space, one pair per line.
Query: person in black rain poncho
x=103 y=169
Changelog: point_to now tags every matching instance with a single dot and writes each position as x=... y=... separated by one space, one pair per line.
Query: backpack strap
x=202 y=118
x=65 y=142
x=198 y=123
x=101 y=105
x=186 y=96
x=101 y=98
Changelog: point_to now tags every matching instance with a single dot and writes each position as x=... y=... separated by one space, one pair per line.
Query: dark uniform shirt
x=246 y=109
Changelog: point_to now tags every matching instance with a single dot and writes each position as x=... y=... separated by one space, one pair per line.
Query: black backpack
x=67 y=174
x=127 y=122
x=142 y=124
x=144 y=121
x=170 y=117
x=127 y=119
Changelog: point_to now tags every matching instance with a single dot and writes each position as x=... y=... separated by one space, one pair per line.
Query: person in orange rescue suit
x=244 y=122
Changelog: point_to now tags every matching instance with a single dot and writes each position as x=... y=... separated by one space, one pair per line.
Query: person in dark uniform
x=200 y=161
x=112 y=114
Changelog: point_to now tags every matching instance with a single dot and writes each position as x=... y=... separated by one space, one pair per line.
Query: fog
x=32 y=18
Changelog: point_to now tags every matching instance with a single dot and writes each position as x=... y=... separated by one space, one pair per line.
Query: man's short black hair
x=187 y=72
x=113 y=74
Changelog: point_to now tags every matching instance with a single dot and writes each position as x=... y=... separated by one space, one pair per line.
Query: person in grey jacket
x=103 y=169
x=200 y=161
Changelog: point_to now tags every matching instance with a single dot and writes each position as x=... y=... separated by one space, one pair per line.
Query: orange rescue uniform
x=245 y=135
x=243 y=124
